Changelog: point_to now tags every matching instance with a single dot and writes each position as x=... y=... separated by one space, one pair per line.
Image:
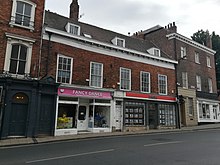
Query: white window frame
x=197 y=58
x=13 y=14
x=141 y=82
x=183 y=52
x=129 y=70
x=71 y=68
x=154 y=51
x=159 y=85
x=92 y=75
x=116 y=39
x=210 y=85
x=185 y=80
x=190 y=106
x=208 y=59
x=15 y=39
x=68 y=28
x=198 y=83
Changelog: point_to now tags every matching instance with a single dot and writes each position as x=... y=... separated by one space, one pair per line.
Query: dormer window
x=154 y=51
x=119 y=42
x=73 y=29
x=23 y=13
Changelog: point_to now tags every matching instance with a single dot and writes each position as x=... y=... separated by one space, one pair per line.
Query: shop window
x=167 y=115
x=101 y=116
x=23 y=13
x=66 y=116
x=134 y=114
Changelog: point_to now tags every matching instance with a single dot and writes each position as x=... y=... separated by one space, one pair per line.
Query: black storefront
x=27 y=107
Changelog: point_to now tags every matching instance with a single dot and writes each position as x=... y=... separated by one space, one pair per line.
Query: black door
x=152 y=113
x=18 y=118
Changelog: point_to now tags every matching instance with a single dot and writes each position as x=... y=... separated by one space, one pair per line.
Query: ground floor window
x=134 y=113
x=204 y=111
x=101 y=116
x=66 y=116
x=167 y=115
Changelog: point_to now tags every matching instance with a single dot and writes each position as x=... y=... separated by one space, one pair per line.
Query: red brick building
x=195 y=73
x=109 y=81
x=26 y=101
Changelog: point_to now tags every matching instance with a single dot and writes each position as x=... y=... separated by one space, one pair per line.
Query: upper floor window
x=197 y=58
x=210 y=85
x=64 y=69
x=185 y=79
x=198 y=83
x=23 y=13
x=145 y=82
x=118 y=41
x=154 y=51
x=208 y=61
x=18 y=56
x=125 y=79
x=162 y=84
x=96 y=74
x=183 y=52
x=73 y=29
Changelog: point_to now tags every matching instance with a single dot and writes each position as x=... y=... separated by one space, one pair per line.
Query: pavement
x=47 y=139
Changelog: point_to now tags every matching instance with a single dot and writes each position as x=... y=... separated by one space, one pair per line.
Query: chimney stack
x=74 y=10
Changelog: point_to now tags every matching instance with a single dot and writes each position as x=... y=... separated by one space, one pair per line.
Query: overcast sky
x=125 y=16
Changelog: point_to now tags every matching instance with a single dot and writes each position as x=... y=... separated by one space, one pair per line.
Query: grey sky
x=125 y=16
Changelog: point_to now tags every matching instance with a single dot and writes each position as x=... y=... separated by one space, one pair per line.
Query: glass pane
x=27 y=10
x=21 y=67
x=14 y=52
x=18 y=19
x=13 y=66
x=23 y=53
x=26 y=21
x=20 y=6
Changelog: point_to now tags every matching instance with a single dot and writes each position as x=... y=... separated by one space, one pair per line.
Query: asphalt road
x=183 y=148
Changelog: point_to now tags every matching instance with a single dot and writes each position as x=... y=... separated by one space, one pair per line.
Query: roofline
x=190 y=42
x=92 y=41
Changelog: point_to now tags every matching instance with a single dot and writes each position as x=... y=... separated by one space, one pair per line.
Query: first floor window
x=125 y=79
x=162 y=84
x=96 y=74
x=198 y=83
x=190 y=106
x=18 y=59
x=210 y=85
x=64 y=69
x=167 y=115
x=185 y=79
x=145 y=82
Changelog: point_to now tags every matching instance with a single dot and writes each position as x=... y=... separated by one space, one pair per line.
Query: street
x=180 y=148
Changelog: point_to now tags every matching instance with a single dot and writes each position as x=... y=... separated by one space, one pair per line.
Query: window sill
x=21 y=26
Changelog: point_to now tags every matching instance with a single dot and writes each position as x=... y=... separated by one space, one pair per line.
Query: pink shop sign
x=83 y=93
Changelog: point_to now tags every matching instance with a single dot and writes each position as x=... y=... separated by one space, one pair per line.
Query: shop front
x=145 y=111
x=83 y=110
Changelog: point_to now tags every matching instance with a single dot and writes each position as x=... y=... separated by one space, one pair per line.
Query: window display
x=66 y=116
x=167 y=115
x=101 y=116
x=134 y=113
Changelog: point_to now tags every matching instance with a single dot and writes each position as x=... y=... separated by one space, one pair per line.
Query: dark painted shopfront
x=27 y=107
x=146 y=112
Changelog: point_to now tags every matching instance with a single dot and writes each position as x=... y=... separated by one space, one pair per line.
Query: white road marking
x=164 y=143
x=68 y=156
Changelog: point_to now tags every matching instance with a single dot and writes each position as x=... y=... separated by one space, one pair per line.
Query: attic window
x=154 y=51
x=118 y=41
x=73 y=29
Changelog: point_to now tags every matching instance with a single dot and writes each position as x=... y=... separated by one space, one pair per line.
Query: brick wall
x=111 y=67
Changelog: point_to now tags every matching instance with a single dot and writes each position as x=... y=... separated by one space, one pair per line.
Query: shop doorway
x=19 y=112
x=118 y=115
x=82 y=122
x=152 y=116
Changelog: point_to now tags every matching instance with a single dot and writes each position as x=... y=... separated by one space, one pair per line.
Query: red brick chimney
x=74 y=10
